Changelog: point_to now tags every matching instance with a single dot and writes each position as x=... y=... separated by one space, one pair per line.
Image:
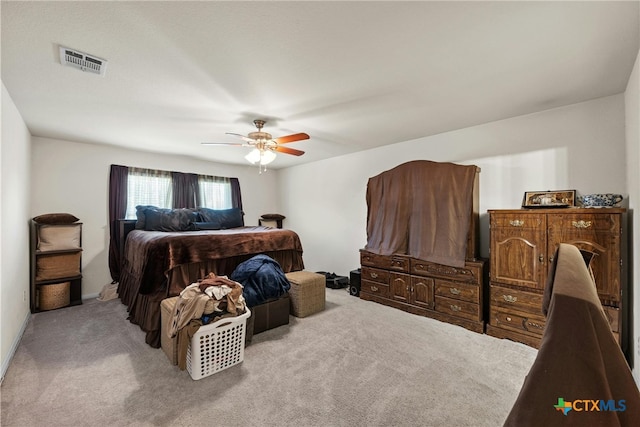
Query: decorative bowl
x=601 y=200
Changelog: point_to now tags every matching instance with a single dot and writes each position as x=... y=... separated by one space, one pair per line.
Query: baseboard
x=90 y=296
x=14 y=347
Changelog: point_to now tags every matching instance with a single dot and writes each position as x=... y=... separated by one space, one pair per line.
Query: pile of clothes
x=262 y=278
x=209 y=300
x=253 y=282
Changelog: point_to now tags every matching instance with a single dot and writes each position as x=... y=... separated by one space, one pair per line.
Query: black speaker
x=354 y=283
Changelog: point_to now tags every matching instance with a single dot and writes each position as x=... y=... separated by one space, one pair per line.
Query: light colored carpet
x=357 y=363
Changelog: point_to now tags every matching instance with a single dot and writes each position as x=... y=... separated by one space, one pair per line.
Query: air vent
x=82 y=61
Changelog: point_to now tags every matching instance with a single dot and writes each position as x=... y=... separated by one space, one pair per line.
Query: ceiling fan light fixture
x=264 y=146
x=262 y=157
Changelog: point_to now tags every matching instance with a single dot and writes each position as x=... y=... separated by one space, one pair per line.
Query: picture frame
x=549 y=199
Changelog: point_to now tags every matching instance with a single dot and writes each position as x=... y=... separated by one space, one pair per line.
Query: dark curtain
x=236 y=197
x=185 y=189
x=117 y=210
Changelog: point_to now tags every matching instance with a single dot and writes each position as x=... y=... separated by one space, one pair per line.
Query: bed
x=158 y=264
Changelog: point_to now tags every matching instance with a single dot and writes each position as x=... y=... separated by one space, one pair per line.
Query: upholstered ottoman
x=307 y=292
x=169 y=345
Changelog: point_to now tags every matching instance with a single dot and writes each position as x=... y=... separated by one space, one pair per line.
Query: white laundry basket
x=217 y=346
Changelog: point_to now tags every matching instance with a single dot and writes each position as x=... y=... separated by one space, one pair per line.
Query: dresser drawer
x=374 y=288
x=458 y=308
x=375 y=275
x=390 y=262
x=515 y=321
x=518 y=220
x=470 y=273
x=374 y=260
x=399 y=263
x=460 y=291
x=515 y=299
x=585 y=221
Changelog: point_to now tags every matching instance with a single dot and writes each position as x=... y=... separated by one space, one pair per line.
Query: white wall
x=15 y=151
x=580 y=147
x=74 y=177
x=632 y=114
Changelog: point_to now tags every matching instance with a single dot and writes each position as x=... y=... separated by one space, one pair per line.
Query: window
x=148 y=187
x=155 y=187
x=214 y=192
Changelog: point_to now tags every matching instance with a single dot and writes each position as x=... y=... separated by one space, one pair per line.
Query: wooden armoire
x=425 y=202
x=522 y=245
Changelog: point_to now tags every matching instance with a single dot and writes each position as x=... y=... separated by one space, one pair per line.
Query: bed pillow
x=228 y=218
x=56 y=218
x=215 y=225
x=142 y=217
x=173 y=220
x=58 y=237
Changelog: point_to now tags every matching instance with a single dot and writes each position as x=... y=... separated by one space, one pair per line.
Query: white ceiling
x=353 y=75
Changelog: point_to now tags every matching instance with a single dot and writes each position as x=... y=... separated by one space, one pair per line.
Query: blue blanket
x=262 y=279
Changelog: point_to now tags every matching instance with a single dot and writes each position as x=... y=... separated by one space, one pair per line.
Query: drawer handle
x=455 y=307
x=509 y=298
x=374 y=288
x=516 y=222
x=581 y=224
x=508 y=319
x=374 y=275
x=454 y=291
x=541 y=258
x=535 y=325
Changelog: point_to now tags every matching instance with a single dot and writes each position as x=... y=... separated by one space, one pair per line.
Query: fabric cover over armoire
x=422 y=209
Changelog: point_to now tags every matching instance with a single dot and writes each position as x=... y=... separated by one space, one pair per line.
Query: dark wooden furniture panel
x=449 y=294
x=522 y=246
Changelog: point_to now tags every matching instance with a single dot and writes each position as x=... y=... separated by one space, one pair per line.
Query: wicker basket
x=307 y=292
x=55 y=295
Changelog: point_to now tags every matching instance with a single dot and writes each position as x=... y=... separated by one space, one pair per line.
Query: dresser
x=449 y=294
x=522 y=245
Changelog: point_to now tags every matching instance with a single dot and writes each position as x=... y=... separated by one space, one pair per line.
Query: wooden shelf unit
x=37 y=256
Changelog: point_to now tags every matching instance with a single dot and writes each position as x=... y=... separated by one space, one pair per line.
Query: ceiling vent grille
x=82 y=61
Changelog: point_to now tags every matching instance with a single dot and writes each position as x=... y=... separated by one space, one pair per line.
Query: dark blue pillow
x=227 y=218
x=142 y=217
x=173 y=220
x=199 y=225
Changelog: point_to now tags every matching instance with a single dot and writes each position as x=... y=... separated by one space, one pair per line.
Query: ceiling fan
x=264 y=145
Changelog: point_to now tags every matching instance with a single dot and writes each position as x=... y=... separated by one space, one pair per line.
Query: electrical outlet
x=24 y=296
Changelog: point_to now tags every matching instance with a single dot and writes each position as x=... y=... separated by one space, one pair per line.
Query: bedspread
x=152 y=254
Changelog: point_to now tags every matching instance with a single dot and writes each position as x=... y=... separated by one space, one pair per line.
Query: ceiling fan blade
x=288 y=150
x=241 y=136
x=237 y=144
x=291 y=138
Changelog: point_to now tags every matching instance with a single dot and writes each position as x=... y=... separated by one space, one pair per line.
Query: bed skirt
x=144 y=309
